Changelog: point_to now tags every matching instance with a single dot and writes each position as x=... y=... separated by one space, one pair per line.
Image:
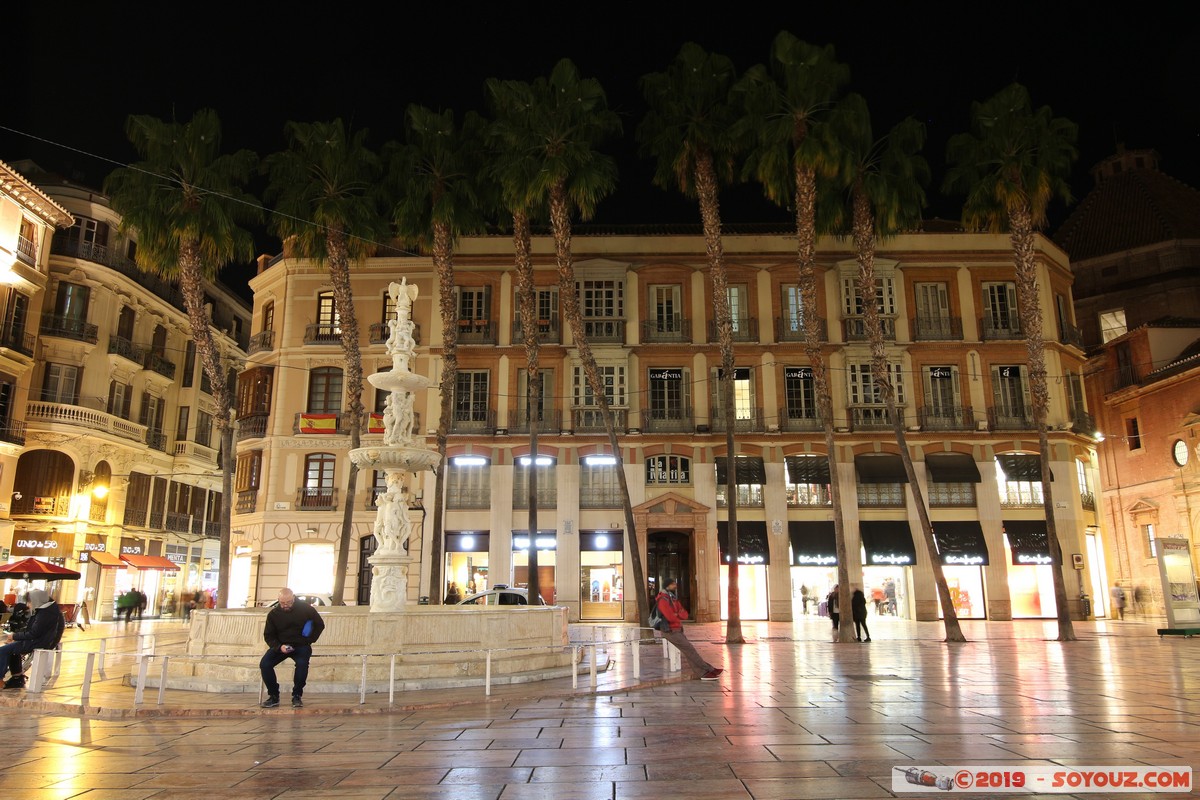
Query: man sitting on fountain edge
x=292 y=629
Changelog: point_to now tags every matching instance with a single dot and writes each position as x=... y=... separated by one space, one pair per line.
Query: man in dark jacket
x=292 y=629
x=44 y=632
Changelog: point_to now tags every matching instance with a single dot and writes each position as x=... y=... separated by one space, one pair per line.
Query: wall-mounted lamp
x=310 y=531
x=17 y=495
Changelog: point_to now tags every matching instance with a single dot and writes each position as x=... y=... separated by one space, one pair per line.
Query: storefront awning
x=961 y=543
x=952 y=468
x=1023 y=467
x=1027 y=539
x=104 y=558
x=750 y=470
x=813 y=543
x=888 y=542
x=880 y=468
x=753 y=547
x=807 y=469
x=150 y=562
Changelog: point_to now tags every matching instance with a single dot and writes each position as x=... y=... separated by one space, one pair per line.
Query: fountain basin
x=394 y=381
x=408 y=459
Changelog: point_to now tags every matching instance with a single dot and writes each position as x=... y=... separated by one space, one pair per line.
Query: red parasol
x=34 y=569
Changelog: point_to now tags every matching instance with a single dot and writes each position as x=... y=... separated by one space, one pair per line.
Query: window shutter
x=145 y=410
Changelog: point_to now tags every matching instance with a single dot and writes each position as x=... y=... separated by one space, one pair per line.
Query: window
x=61 y=384
x=807 y=481
x=125 y=322
x=1112 y=324
x=599 y=486
x=325 y=391
x=601 y=299
x=318 y=480
x=670 y=399
x=327 y=313
x=119 y=397
x=885 y=296
x=153 y=409
x=933 y=311
x=868 y=408
x=745 y=414
x=1000 y=309
x=254 y=391
x=613 y=378
x=8 y=388
x=16 y=316
x=27 y=241
x=181 y=427
x=668 y=470
x=249 y=470
x=1020 y=479
x=189 y=364
x=547 y=489
x=268 y=316
x=739 y=303
x=378 y=487
x=1133 y=436
x=793 y=314
x=204 y=423
x=543 y=403
x=799 y=397
x=474 y=305
x=158 y=343
x=943 y=405
x=1148 y=540
x=749 y=479
x=1086 y=499
x=1010 y=397
x=71 y=302
x=468 y=483
x=381 y=395
x=666 y=309
x=88 y=238
x=471 y=406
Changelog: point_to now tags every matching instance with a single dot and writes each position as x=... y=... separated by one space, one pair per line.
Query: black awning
x=888 y=542
x=1028 y=541
x=1024 y=467
x=961 y=543
x=750 y=470
x=813 y=543
x=807 y=469
x=753 y=547
x=880 y=468
x=952 y=468
x=601 y=541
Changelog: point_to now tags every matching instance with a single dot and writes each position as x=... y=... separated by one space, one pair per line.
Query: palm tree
x=435 y=172
x=557 y=122
x=688 y=130
x=324 y=192
x=184 y=201
x=883 y=181
x=1014 y=161
x=787 y=106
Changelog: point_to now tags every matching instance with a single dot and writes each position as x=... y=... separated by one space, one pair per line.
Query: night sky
x=1124 y=73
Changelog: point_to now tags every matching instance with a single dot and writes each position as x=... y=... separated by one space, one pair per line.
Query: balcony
x=27 y=250
x=855 y=328
x=198 y=451
x=951 y=495
x=252 y=426
x=322 y=333
x=801 y=495
x=947 y=418
x=548 y=422
x=1122 y=378
x=668 y=420
x=477 y=331
x=1021 y=495
x=880 y=495
x=473 y=420
x=108 y=257
x=872 y=418
x=1082 y=422
x=184 y=523
x=1009 y=419
x=12 y=431
x=41 y=506
x=589 y=419
x=745 y=329
x=672 y=329
x=1070 y=335
x=792 y=330
x=605 y=330
x=548 y=332
x=601 y=497
x=749 y=495
x=380 y=331
x=69 y=328
x=1000 y=326
x=746 y=421
x=246 y=502
x=309 y=498
x=319 y=424
x=800 y=419
x=1087 y=501
x=159 y=364
x=120 y=346
x=263 y=341
x=937 y=329
x=82 y=417
x=156 y=441
x=17 y=340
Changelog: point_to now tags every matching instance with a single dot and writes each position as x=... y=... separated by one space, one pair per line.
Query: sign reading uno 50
x=41 y=545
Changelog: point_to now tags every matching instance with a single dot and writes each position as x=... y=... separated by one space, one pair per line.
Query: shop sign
x=1033 y=558
x=956 y=558
x=131 y=547
x=891 y=558
x=940 y=373
x=666 y=374
x=803 y=560
x=41 y=545
x=668 y=469
x=95 y=547
x=177 y=558
x=798 y=373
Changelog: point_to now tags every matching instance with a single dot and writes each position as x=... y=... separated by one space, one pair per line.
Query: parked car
x=501 y=596
x=317 y=600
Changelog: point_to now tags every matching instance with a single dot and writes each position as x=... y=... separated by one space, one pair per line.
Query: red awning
x=150 y=562
x=104 y=558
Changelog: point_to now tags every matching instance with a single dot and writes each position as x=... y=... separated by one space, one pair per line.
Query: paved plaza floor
x=793 y=716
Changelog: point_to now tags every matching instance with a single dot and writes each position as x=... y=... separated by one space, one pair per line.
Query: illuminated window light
x=470 y=461
x=542 y=461
x=600 y=461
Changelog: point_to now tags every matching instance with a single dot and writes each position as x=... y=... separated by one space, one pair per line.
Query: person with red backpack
x=672 y=615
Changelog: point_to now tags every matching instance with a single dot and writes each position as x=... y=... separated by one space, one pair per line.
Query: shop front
x=153 y=575
x=467 y=562
x=601 y=575
x=814 y=564
x=546 y=546
x=964 y=555
x=100 y=568
x=753 y=559
x=1031 y=576
x=888 y=556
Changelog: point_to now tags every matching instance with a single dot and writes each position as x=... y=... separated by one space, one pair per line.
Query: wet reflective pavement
x=793 y=716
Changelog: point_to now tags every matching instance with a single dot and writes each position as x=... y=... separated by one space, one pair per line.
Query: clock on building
x=1179 y=451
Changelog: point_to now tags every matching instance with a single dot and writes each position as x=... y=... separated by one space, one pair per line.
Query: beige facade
x=119 y=461
x=957 y=354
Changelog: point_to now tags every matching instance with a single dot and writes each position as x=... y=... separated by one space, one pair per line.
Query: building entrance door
x=669 y=556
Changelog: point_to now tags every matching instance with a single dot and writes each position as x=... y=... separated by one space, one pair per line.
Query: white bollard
x=37 y=670
x=162 y=681
x=140 y=690
x=86 y=692
x=392 y=682
x=487 y=678
x=103 y=650
x=592 y=668
x=574 y=667
x=637 y=658
x=362 y=686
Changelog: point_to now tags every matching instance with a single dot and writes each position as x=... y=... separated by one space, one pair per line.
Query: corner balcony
x=252 y=426
x=69 y=328
x=17 y=341
x=246 y=502
x=81 y=417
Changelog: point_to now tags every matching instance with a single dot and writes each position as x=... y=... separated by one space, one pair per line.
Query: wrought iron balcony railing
x=18 y=340
x=12 y=431
x=322 y=333
x=855 y=328
x=548 y=331
x=477 y=419
x=1009 y=419
x=69 y=328
x=748 y=420
x=477 y=331
x=310 y=498
x=672 y=328
x=1000 y=327
x=263 y=341
x=120 y=346
x=947 y=418
x=872 y=418
x=792 y=330
x=159 y=364
x=547 y=421
x=800 y=419
x=669 y=420
x=745 y=329
x=589 y=419
x=605 y=330
x=926 y=329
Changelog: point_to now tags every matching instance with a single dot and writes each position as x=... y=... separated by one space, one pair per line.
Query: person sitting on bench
x=44 y=632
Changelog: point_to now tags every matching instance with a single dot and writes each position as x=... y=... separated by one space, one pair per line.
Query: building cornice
x=33 y=199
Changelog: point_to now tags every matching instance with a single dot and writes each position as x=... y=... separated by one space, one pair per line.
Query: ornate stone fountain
x=399 y=457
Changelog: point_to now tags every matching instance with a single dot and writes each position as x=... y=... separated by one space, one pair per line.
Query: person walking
x=858 y=611
x=44 y=632
x=673 y=614
x=1118 y=601
x=831 y=602
x=453 y=596
x=292 y=629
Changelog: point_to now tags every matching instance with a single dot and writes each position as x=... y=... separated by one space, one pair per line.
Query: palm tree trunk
x=1021 y=235
x=191 y=286
x=864 y=241
x=533 y=383
x=339 y=272
x=806 y=248
x=710 y=214
x=444 y=263
x=560 y=224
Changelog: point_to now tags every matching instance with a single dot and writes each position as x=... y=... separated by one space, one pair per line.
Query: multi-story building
x=958 y=362
x=1134 y=243
x=118 y=475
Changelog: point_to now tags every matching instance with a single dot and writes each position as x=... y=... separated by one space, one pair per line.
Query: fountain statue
x=399 y=457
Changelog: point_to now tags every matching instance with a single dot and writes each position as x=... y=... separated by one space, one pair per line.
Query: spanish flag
x=375 y=424
x=318 y=423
